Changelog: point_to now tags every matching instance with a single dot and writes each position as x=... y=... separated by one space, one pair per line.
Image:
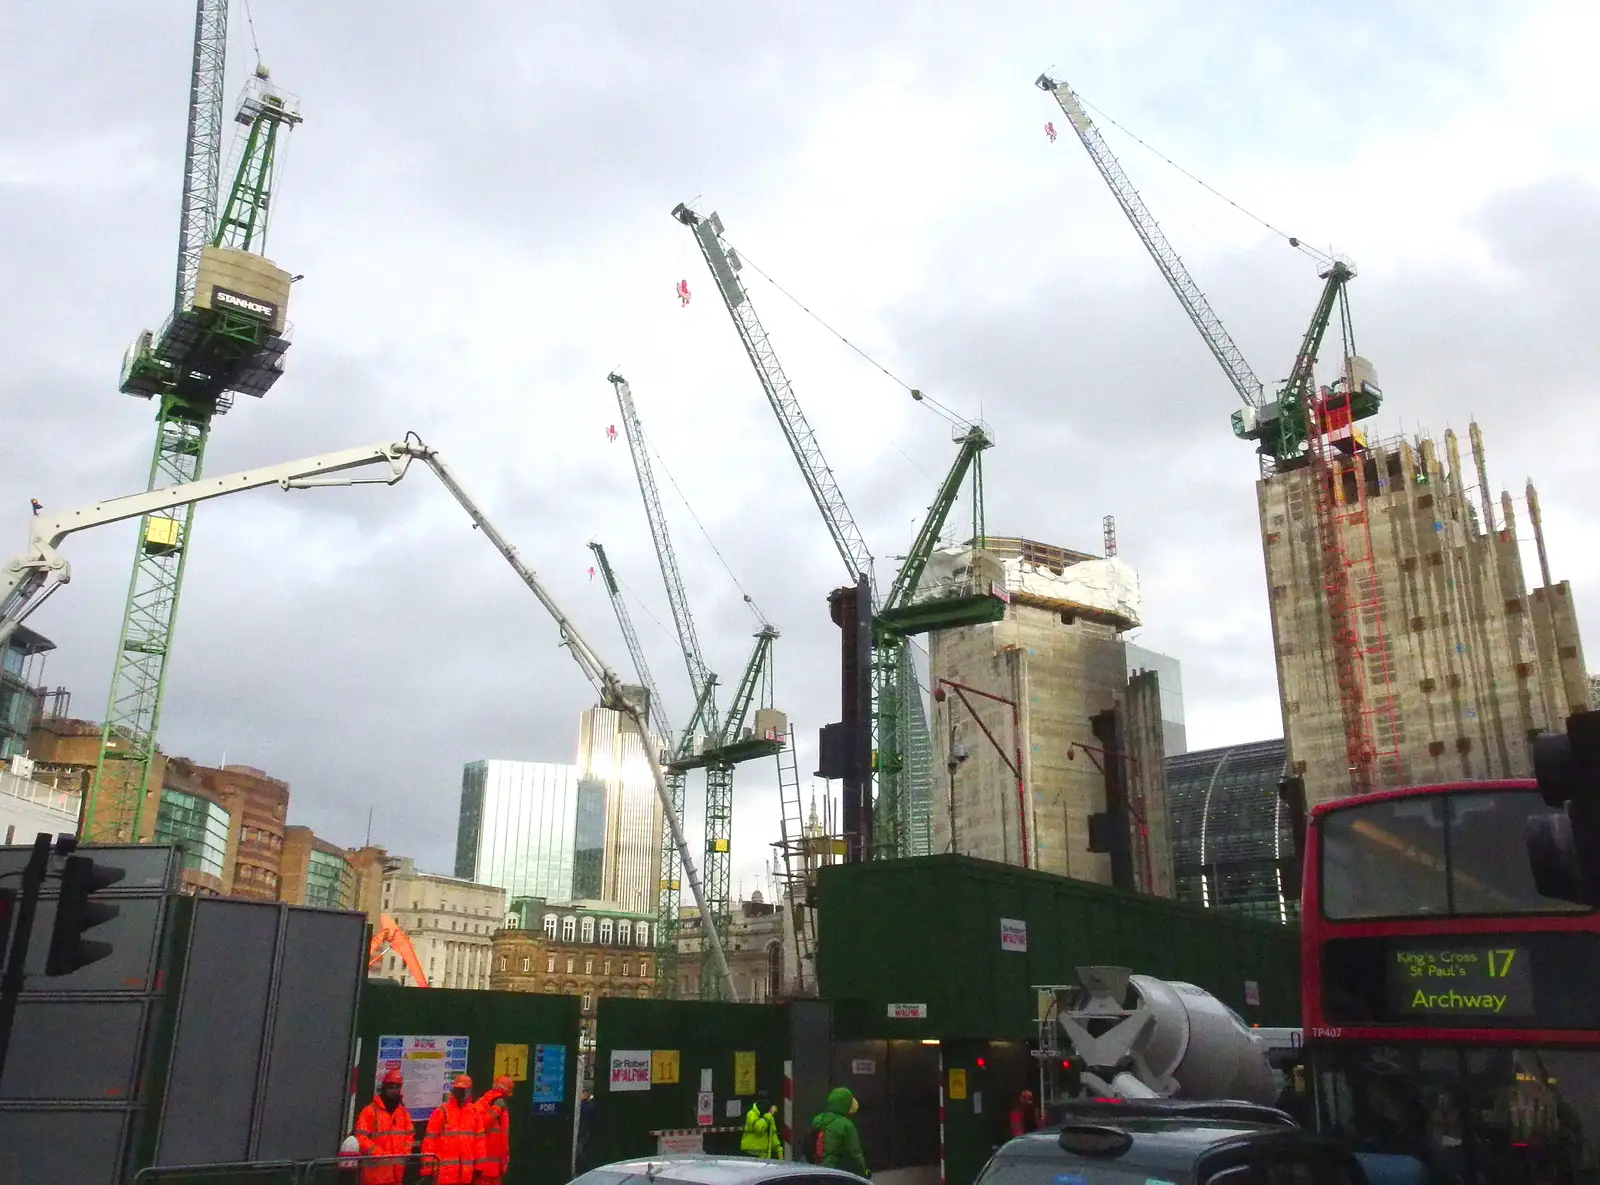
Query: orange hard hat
x=393 y=1078
x=504 y=1083
x=463 y=1081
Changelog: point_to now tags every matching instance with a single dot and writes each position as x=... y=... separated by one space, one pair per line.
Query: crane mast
x=1177 y=276
x=202 y=154
x=227 y=335
x=724 y=264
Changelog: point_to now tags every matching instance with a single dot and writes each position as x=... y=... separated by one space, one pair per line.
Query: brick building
x=586 y=949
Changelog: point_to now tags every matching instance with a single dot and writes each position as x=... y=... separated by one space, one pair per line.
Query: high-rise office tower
x=611 y=752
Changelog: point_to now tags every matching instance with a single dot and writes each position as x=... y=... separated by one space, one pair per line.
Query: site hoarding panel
x=302 y=1106
x=928 y=929
x=541 y=1130
x=221 y=1022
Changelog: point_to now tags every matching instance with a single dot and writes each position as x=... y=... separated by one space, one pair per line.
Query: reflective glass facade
x=199 y=825
x=328 y=880
x=589 y=843
x=1232 y=836
x=518 y=827
x=1169 y=674
x=613 y=755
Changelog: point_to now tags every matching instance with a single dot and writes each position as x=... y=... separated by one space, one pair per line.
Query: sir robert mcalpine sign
x=224 y=298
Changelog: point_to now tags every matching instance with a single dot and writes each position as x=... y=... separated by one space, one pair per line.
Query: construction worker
x=384 y=1128
x=835 y=1143
x=496 y=1130
x=761 y=1131
x=455 y=1138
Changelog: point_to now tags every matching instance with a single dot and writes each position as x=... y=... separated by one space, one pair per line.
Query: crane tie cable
x=1284 y=235
x=748 y=599
x=921 y=397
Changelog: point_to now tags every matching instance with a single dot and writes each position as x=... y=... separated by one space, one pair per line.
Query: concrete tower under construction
x=1052 y=755
x=1460 y=663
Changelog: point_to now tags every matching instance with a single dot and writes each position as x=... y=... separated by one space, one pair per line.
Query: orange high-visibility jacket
x=382 y=1132
x=455 y=1136
x=496 y=1133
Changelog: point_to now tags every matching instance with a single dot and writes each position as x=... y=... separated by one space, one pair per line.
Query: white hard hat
x=350 y=1147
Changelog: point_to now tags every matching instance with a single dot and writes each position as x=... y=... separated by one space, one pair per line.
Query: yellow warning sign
x=958 y=1085
x=512 y=1061
x=744 y=1072
x=663 y=1067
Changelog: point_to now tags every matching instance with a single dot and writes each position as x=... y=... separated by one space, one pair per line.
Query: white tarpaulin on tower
x=1103 y=585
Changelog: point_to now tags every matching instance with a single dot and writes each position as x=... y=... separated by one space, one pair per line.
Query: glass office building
x=1232 y=835
x=611 y=752
x=518 y=827
x=200 y=828
x=1169 y=677
x=329 y=882
x=589 y=840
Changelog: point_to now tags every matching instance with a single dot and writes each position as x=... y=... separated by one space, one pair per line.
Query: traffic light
x=76 y=913
x=1564 y=845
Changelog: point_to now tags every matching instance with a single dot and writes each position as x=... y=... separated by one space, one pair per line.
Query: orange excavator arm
x=390 y=936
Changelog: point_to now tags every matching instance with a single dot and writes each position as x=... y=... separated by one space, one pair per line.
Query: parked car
x=1165 y=1142
x=713 y=1170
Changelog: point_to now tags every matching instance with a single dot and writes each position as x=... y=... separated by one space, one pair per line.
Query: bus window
x=1489 y=869
x=1385 y=859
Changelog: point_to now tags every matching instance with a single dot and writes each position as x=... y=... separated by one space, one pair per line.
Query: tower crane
x=903 y=750
x=630 y=638
x=668 y=882
x=1299 y=427
x=31 y=577
x=711 y=742
x=227 y=335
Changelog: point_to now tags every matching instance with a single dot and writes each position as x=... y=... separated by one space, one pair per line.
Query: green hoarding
x=503 y=1032
x=960 y=943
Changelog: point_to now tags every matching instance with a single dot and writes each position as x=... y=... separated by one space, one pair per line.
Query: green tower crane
x=903 y=749
x=226 y=336
x=711 y=742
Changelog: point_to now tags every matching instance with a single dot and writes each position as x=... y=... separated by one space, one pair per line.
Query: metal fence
x=332 y=1170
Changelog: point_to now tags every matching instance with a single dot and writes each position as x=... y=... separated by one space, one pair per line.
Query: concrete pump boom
x=30 y=578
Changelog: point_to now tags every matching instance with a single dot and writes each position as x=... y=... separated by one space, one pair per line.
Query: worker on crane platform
x=455 y=1138
x=496 y=1130
x=384 y=1128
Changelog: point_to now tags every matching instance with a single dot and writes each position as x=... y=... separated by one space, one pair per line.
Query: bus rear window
x=1432 y=854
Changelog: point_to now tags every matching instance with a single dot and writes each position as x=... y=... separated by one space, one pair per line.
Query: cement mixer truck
x=1125 y=1036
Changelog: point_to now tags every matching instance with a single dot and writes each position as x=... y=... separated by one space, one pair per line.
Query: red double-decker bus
x=1451 y=1013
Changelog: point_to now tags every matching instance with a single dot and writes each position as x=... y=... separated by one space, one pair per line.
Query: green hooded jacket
x=841 y=1143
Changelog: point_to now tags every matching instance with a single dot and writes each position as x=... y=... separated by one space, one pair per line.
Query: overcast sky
x=479 y=198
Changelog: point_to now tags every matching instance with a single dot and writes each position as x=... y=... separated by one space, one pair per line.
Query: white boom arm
x=31 y=577
x=1183 y=286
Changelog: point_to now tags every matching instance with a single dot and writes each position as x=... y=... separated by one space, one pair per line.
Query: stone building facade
x=451 y=924
x=759 y=950
x=586 y=949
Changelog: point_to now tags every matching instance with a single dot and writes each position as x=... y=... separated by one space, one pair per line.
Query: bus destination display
x=1459 y=980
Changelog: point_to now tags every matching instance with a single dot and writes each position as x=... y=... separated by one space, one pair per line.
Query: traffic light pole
x=11 y=985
